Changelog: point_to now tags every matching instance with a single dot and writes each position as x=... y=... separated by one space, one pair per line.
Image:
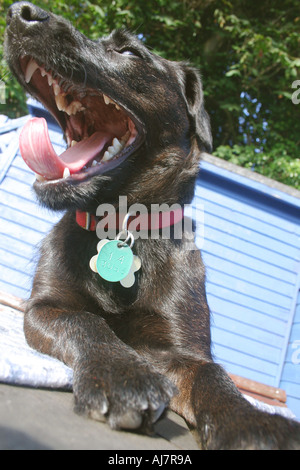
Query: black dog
x=141 y=128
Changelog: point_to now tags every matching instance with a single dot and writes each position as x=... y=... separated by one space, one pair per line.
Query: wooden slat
x=11 y=301
x=259 y=389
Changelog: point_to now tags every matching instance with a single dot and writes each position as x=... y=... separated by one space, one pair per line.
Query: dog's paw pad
x=132 y=419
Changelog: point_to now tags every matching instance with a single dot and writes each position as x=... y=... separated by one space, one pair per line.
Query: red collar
x=138 y=222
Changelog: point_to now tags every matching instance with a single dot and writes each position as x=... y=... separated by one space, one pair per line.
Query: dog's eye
x=129 y=52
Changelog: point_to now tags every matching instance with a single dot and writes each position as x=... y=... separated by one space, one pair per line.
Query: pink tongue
x=37 y=151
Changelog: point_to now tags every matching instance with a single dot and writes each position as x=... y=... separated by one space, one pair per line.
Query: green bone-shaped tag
x=115 y=262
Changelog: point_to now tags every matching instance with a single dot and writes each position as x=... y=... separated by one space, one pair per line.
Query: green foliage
x=248 y=54
x=276 y=164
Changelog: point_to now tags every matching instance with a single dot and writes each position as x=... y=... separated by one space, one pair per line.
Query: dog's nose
x=24 y=15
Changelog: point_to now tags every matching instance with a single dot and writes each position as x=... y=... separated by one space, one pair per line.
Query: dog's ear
x=192 y=89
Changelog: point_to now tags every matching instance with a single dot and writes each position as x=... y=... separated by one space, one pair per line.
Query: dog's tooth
x=61 y=102
x=56 y=88
x=43 y=72
x=66 y=173
x=50 y=79
x=74 y=142
x=112 y=151
x=94 y=163
x=107 y=100
x=31 y=68
x=79 y=106
x=107 y=156
x=39 y=177
x=125 y=138
x=69 y=138
x=117 y=144
x=74 y=108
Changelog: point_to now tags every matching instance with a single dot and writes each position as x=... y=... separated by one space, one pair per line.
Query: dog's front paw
x=257 y=431
x=128 y=396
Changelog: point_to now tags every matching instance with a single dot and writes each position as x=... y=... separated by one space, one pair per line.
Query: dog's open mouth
x=100 y=133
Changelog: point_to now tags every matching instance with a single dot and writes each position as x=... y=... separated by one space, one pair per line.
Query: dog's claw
x=157 y=413
x=97 y=416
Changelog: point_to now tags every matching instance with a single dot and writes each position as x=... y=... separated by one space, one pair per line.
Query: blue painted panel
x=244 y=314
x=248 y=229
x=253 y=277
x=271 y=312
x=13 y=289
x=264 y=220
x=23 y=223
x=9 y=243
x=256 y=271
x=290 y=377
x=253 y=291
x=251 y=251
x=16 y=278
x=256 y=252
x=253 y=365
x=248 y=330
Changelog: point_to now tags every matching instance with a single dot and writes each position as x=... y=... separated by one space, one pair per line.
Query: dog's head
x=134 y=122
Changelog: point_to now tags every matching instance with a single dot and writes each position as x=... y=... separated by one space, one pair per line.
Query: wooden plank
x=19 y=163
x=21 y=189
x=251 y=249
x=14 y=289
x=244 y=227
x=258 y=306
x=11 y=301
x=8 y=157
x=281 y=278
x=214 y=257
x=246 y=330
x=250 y=178
x=243 y=369
x=249 y=346
x=27 y=221
x=15 y=261
x=29 y=206
x=268 y=401
x=259 y=388
x=231 y=281
x=15 y=277
x=245 y=314
x=12 y=124
x=21 y=232
x=9 y=243
x=229 y=356
x=21 y=174
x=292 y=389
x=249 y=216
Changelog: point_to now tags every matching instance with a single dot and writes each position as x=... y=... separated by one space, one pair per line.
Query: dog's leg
x=221 y=417
x=110 y=380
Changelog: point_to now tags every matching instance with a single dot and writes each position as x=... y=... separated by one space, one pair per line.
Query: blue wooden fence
x=251 y=249
x=250 y=245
